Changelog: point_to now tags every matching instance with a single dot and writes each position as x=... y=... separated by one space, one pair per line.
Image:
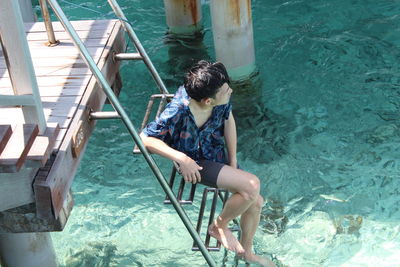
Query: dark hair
x=204 y=79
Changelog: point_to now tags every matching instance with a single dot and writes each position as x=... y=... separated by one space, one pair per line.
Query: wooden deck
x=68 y=92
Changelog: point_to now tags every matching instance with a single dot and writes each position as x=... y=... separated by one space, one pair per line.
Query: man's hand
x=189 y=169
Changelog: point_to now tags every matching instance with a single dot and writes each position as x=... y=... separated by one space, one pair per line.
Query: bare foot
x=255 y=259
x=225 y=236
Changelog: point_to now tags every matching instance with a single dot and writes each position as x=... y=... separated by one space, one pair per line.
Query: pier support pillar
x=232 y=28
x=27 y=249
x=183 y=16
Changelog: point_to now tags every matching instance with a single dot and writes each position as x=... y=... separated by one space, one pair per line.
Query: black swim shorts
x=210 y=171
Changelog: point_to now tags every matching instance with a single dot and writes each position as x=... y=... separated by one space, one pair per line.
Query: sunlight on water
x=319 y=125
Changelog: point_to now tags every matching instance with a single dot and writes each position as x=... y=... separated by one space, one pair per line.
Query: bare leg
x=245 y=201
x=249 y=222
x=234 y=206
x=245 y=188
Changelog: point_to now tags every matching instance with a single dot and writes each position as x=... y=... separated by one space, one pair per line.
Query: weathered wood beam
x=17 y=148
x=16 y=189
x=42 y=147
x=56 y=185
x=5 y=134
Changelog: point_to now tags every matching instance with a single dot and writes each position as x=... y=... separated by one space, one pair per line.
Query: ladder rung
x=42 y=147
x=181 y=188
x=104 y=115
x=163 y=99
x=128 y=56
x=17 y=147
x=215 y=193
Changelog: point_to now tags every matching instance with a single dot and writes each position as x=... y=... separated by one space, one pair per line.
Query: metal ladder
x=119 y=110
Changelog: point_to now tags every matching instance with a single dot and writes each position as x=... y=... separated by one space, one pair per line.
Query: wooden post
x=27 y=11
x=232 y=28
x=19 y=61
x=183 y=16
x=27 y=249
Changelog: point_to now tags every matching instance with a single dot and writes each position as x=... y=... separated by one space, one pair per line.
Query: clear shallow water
x=320 y=128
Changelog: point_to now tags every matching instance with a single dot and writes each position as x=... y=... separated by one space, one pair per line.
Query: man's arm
x=231 y=139
x=188 y=167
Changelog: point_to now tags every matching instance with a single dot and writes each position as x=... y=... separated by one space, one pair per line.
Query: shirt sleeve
x=163 y=127
x=227 y=110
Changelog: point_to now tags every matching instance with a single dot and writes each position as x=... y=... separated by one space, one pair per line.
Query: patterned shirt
x=176 y=126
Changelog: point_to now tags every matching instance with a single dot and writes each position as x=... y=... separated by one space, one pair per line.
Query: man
x=191 y=132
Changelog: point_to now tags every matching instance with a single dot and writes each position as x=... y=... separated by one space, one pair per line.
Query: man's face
x=222 y=96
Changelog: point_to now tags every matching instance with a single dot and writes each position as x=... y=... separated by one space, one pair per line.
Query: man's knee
x=252 y=188
x=260 y=202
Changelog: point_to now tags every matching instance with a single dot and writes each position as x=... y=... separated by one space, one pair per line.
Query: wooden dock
x=36 y=171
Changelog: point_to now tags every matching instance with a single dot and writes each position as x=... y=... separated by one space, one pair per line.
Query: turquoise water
x=320 y=129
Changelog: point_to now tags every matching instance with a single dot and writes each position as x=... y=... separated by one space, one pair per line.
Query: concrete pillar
x=27 y=11
x=183 y=16
x=232 y=28
x=27 y=249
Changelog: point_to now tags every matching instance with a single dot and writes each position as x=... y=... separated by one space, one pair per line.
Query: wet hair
x=204 y=79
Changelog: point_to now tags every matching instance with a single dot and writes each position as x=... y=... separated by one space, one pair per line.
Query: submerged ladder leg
x=211 y=219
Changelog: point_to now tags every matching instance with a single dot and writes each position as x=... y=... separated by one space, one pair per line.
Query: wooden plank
x=63 y=36
x=16 y=150
x=62 y=56
x=5 y=134
x=42 y=147
x=63 y=170
x=56 y=71
x=52 y=91
x=61 y=106
x=14 y=115
x=65 y=51
x=62 y=52
x=91 y=42
x=50 y=62
x=43 y=193
x=79 y=25
x=60 y=138
x=16 y=188
x=72 y=80
x=61 y=91
x=11 y=116
x=80 y=137
x=62 y=121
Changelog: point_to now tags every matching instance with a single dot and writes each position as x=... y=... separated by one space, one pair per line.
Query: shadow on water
x=183 y=52
x=262 y=133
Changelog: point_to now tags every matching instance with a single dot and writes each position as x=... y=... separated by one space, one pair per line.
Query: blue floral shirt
x=176 y=126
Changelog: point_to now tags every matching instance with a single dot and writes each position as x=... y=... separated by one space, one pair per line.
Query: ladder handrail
x=132 y=35
x=130 y=127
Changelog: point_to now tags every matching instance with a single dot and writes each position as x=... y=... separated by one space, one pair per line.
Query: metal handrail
x=132 y=35
x=130 y=127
